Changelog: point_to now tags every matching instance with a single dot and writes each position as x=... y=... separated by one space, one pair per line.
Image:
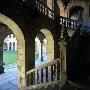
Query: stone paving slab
x=9 y=79
x=8 y=86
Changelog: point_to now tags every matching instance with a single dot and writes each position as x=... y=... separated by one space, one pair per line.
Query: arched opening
x=37 y=49
x=40 y=49
x=10 y=63
x=10 y=51
x=10 y=43
x=20 y=46
x=44 y=47
x=50 y=44
x=76 y=12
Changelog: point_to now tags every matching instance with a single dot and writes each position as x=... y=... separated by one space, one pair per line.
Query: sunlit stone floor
x=9 y=79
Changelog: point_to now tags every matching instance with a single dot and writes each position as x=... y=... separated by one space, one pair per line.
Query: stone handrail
x=44 y=65
x=70 y=23
x=43 y=8
x=46 y=73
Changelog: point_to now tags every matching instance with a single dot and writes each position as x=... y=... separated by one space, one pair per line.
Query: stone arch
x=50 y=44
x=76 y=12
x=74 y=4
x=20 y=45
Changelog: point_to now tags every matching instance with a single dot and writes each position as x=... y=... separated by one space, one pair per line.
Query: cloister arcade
x=48 y=38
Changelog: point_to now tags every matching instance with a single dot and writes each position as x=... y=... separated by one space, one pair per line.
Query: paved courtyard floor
x=9 y=79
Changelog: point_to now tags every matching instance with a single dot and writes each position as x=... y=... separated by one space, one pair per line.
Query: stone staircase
x=50 y=87
x=68 y=86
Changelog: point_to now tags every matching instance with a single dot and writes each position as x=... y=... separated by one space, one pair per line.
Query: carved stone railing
x=70 y=23
x=43 y=8
x=43 y=74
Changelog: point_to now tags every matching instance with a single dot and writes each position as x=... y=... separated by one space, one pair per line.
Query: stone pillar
x=30 y=53
x=38 y=47
x=1 y=58
x=63 y=55
x=16 y=45
x=8 y=46
x=39 y=50
x=11 y=46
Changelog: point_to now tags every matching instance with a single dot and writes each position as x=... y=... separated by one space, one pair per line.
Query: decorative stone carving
x=63 y=54
x=64 y=35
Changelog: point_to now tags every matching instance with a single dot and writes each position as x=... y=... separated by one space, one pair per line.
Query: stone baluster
x=46 y=74
x=42 y=75
x=51 y=72
x=57 y=70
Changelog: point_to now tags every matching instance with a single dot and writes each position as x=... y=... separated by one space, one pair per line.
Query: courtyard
x=9 y=79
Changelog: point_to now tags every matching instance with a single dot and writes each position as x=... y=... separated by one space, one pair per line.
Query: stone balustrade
x=46 y=73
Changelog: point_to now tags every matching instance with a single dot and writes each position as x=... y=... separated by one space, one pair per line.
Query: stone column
x=1 y=57
x=30 y=53
x=8 y=46
x=41 y=51
x=38 y=47
x=16 y=45
x=63 y=55
x=11 y=46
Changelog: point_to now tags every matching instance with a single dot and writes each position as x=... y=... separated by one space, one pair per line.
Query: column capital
x=62 y=43
x=64 y=38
